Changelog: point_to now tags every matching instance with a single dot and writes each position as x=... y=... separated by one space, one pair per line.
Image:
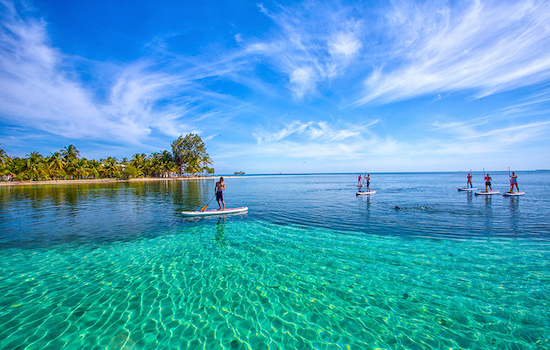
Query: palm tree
x=34 y=166
x=6 y=166
x=94 y=168
x=71 y=168
x=139 y=161
x=204 y=165
x=81 y=168
x=70 y=152
x=55 y=165
x=3 y=156
x=168 y=164
x=111 y=167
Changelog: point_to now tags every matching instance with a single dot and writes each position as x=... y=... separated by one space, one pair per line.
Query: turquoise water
x=311 y=266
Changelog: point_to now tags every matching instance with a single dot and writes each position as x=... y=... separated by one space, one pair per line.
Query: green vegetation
x=189 y=158
x=190 y=155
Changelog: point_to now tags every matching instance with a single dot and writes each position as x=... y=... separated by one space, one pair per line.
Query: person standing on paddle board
x=513 y=182
x=359 y=181
x=220 y=186
x=469 y=177
x=488 y=182
x=367 y=180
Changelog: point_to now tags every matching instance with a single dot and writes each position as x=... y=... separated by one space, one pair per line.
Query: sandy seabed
x=93 y=181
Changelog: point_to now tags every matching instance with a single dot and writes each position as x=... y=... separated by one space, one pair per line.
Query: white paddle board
x=513 y=193
x=467 y=189
x=487 y=193
x=360 y=193
x=215 y=212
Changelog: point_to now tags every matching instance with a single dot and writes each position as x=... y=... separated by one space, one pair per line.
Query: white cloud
x=303 y=81
x=317 y=132
x=311 y=47
x=346 y=44
x=41 y=90
x=486 y=46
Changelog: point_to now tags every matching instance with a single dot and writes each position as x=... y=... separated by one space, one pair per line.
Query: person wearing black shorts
x=220 y=186
x=488 y=182
x=367 y=180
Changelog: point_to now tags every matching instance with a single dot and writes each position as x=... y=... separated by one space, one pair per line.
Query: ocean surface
x=310 y=266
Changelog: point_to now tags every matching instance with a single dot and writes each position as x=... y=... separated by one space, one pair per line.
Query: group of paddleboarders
x=365 y=181
x=488 y=179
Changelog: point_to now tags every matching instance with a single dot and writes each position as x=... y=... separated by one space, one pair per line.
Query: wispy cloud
x=310 y=47
x=485 y=47
x=299 y=132
x=455 y=144
x=41 y=89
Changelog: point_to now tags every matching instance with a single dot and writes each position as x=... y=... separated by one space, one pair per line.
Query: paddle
x=204 y=208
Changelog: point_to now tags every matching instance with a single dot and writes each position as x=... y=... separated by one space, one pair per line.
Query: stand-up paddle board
x=360 y=193
x=467 y=189
x=488 y=193
x=215 y=212
x=513 y=193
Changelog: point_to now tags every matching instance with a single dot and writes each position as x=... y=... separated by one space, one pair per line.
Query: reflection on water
x=514 y=214
x=43 y=215
x=220 y=232
x=469 y=196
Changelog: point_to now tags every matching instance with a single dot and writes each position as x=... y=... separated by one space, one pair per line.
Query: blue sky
x=282 y=87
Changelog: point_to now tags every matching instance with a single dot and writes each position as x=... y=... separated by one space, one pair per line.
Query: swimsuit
x=219 y=196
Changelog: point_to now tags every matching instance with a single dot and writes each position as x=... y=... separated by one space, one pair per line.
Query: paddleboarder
x=367 y=180
x=359 y=181
x=513 y=182
x=469 y=177
x=488 y=182
x=220 y=186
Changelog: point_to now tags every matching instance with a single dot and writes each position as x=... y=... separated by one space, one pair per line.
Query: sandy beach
x=93 y=181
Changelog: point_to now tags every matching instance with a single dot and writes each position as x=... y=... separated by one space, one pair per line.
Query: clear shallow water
x=311 y=266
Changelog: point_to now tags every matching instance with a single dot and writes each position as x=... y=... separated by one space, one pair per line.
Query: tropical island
x=188 y=159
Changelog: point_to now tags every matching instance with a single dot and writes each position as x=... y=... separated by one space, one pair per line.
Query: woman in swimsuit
x=514 y=182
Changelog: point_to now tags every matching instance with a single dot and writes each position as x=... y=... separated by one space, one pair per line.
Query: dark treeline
x=188 y=158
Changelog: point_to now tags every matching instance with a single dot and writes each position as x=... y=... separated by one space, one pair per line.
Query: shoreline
x=100 y=181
